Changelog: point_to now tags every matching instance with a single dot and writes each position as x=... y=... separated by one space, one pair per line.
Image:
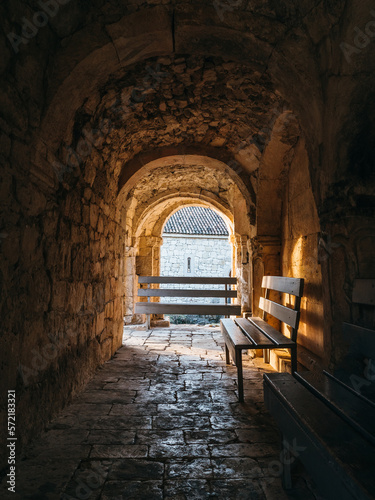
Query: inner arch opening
x=197 y=243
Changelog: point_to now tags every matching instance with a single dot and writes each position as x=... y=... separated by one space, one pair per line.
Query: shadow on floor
x=161 y=421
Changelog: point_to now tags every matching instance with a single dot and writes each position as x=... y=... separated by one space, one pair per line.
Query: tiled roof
x=196 y=220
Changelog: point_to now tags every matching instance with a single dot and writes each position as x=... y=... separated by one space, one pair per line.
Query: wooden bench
x=149 y=307
x=255 y=333
x=328 y=427
x=357 y=367
x=331 y=418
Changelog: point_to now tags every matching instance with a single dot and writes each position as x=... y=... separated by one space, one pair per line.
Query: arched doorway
x=196 y=243
x=161 y=187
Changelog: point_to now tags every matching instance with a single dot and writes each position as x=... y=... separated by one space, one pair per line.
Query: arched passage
x=160 y=188
x=100 y=87
x=197 y=242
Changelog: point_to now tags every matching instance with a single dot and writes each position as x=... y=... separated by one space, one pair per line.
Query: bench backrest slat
x=175 y=292
x=287 y=315
x=364 y=292
x=282 y=313
x=187 y=280
x=153 y=306
x=293 y=286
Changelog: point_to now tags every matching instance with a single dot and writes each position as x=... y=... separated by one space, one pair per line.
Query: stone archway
x=160 y=188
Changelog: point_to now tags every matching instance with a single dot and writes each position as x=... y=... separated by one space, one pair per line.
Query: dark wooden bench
x=255 y=333
x=328 y=427
x=331 y=418
x=357 y=367
x=149 y=307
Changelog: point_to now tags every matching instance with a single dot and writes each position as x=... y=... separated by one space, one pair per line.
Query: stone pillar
x=233 y=242
x=246 y=275
x=243 y=271
x=148 y=256
x=131 y=284
x=148 y=262
x=265 y=256
x=144 y=257
x=156 y=243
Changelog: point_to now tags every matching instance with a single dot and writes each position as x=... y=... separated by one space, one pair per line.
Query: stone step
x=280 y=360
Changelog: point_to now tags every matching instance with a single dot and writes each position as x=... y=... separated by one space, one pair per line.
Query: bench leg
x=148 y=321
x=293 y=355
x=239 y=375
x=266 y=355
x=227 y=359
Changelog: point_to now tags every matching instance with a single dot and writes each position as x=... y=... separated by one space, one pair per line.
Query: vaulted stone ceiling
x=194 y=104
x=86 y=62
x=191 y=100
x=183 y=99
x=192 y=83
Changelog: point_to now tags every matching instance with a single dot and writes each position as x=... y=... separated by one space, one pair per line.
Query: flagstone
x=162 y=420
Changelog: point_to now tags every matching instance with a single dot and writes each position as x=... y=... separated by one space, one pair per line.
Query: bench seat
x=263 y=335
x=336 y=453
x=242 y=334
x=354 y=408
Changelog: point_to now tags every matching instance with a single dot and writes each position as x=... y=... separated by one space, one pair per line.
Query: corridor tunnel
x=116 y=114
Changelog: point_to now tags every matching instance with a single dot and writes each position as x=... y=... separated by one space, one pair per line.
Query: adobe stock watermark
x=31 y=26
x=92 y=138
x=40 y=360
x=326 y=247
x=288 y=455
x=361 y=39
x=92 y=482
x=368 y=376
x=223 y=6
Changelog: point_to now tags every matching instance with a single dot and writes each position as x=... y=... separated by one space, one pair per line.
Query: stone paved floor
x=161 y=421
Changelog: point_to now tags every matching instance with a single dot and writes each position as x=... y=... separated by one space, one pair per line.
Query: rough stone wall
x=62 y=315
x=210 y=256
x=299 y=256
x=61 y=289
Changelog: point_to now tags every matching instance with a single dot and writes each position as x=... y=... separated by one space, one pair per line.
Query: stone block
x=88 y=303
x=10 y=246
x=90 y=174
x=30 y=245
x=94 y=215
x=86 y=214
x=129 y=308
x=100 y=227
x=106 y=349
x=76 y=296
x=108 y=310
x=59 y=295
x=160 y=323
x=117 y=307
x=100 y=322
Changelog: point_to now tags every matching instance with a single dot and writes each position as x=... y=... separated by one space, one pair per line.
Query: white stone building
x=195 y=243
